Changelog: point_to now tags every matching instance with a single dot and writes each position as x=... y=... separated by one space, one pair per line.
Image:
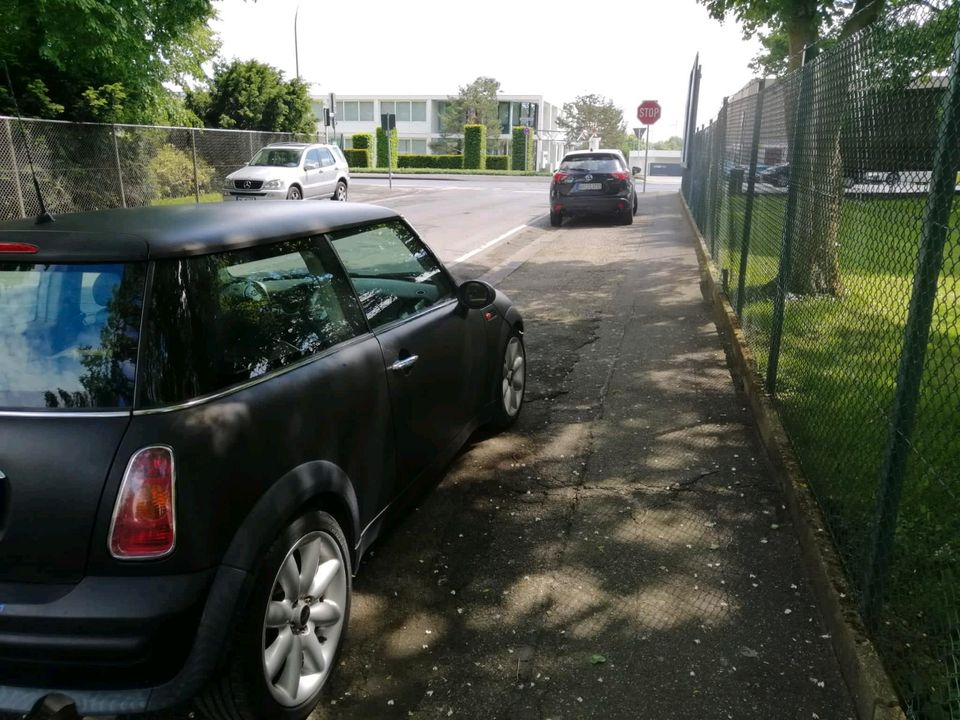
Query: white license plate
x=245 y=197
x=589 y=186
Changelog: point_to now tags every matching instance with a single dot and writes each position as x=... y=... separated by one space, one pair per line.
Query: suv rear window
x=600 y=163
x=69 y=334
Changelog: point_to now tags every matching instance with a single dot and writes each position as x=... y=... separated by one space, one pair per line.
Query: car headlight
x=273 y=184
x=228 y=183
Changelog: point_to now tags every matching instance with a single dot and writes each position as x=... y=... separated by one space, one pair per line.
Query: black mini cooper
x=207 y=414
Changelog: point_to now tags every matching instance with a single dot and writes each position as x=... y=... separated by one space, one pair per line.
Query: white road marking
x=493 y=242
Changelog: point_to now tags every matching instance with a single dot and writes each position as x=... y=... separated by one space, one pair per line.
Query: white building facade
x=419 y=119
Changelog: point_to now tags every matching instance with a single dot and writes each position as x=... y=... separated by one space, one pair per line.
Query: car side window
x=313 y=157
x=393 y=272
x=326 y=159
x=220 y=320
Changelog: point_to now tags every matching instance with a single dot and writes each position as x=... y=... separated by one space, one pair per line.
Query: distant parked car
x=292 y=171
x=592 y=182
x=779 y=176
x=207 y=415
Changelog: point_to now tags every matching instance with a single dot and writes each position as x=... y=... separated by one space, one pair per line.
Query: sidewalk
x=624 y=552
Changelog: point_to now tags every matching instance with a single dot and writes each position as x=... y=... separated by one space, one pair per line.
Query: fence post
x=16 y=169
x=751 y=189
x=196 y=178
x=804 y=104
x=707 y=194
x=719 y=130
x=936 y=224
x=116 y=158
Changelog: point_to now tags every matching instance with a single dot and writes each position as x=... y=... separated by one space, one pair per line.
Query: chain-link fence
x=828 y=199
x=86 y=166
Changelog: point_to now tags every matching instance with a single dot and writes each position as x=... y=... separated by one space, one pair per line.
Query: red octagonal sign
x=648 y=112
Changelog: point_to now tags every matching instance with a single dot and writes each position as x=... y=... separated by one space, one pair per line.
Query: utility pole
x=296 y=50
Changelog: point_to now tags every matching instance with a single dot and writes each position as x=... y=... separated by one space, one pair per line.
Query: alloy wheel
x=303 y=622
x=514 y=376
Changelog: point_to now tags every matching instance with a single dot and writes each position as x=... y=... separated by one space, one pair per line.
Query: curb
x=863 y=671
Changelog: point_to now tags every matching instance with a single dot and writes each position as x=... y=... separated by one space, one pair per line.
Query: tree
x=593 y=116
x=673 y=143
x=785 y=28
x=250 y=95
x=475 y=104
x=102 y=59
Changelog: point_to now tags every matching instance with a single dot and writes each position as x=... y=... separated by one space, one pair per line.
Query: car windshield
x=69 y=334
x=277 y=157
x=592 y=163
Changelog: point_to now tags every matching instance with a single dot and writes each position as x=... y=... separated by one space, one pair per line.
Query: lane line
x=493 y=242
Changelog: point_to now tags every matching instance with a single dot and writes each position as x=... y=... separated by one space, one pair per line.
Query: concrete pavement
x=624 y=551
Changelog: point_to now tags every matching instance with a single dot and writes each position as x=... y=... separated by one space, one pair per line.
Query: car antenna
x=44 y=217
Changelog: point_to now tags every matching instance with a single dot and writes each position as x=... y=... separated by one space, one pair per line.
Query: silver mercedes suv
x=291 y=171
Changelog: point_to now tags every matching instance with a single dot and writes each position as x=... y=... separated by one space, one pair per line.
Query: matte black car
x=592 y=182
x=207 y=414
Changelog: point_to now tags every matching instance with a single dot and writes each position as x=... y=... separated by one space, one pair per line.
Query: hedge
x=447 y=162
x=358 y=158
x=382 y=148
x=362 y=141
x=498 y=162
x=474 y=147
x=522 y=148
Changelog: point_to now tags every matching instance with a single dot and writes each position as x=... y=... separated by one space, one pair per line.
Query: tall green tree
x=250 y=95
x=103 y=60
x=593 y=116
x=474 y=104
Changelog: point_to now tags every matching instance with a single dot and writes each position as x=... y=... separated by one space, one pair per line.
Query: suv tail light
x=143 y=524
x=560 y=176
x=620 y=175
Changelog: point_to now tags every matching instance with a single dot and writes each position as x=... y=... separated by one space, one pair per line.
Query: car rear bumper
x=592 y=203
x=114 y=645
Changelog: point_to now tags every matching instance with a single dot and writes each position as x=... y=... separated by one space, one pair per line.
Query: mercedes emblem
x=246 y=184
x=588 y=178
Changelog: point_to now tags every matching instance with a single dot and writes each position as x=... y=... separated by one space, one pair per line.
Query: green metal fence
x=828 y=200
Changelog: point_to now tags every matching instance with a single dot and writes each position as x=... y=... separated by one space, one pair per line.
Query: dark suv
x=207 y=414
x=592 y=182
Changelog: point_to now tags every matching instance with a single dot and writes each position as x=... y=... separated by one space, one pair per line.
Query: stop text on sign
x=648 y=112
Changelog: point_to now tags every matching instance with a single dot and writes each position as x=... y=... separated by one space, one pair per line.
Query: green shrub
x=498 y=162
x=382 y=148
x=447 y=162
x=474 y=147
x=362 y=141
x=171 y=173
x=357 y=158
x=522 y=146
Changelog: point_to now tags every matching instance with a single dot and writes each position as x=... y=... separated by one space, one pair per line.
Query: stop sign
x=648 y=112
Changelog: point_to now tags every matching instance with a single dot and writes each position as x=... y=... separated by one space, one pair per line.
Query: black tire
x=626 y=216
x=849 y=182
x=241 y=691
x=341 y=191
x=556 y=218
x=636 y=204
x=504 y=417
x=893 y=178
x=294 y=193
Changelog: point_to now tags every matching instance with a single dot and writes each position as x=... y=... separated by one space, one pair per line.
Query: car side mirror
x=310 y=166
x=475 y=294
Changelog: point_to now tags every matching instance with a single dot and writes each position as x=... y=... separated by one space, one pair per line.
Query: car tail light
x=620 y=175
x=560 y=176
x=19 y=248
x=143 y=523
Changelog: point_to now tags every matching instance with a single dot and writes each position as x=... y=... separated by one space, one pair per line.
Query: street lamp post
x=296 y=51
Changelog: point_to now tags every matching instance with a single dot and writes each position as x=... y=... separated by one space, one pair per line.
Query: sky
x=627 y=52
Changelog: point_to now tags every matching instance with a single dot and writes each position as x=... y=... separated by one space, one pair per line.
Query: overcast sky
x=628 y=52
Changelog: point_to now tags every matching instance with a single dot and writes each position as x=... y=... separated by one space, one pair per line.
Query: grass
x=838 y=367
x=186 y=199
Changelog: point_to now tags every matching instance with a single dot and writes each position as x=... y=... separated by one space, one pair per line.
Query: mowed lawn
x=837 y=376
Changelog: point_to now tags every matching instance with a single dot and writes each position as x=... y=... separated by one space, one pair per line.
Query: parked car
x=207 y=415
x=779 y=176
x=292 y=171
x=592 y=182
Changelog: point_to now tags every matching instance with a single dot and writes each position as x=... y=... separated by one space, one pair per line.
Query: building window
x=354 y=111
x=525 y=114
x=405 y=110
x=503 y=109
x=412 y=146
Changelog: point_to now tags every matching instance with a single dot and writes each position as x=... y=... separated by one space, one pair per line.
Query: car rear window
x=221 y=320
x=69 y=334
x=599 y=163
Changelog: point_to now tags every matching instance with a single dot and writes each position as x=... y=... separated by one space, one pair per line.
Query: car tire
x=270 y=651
x=294 y=193
x=636 y=204
x=556 y=218
x=626 y=216
x=893 y=178
x=512 y=385
x=849 y=182
x=340 y=193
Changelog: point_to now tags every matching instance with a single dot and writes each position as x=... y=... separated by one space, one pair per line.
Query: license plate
x=245 y=197
x=589 y=186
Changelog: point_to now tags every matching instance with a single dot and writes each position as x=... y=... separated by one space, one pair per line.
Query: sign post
x=648 y=112
x=388 y=121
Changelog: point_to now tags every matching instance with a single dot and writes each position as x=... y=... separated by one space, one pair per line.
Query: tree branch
x=865 y=13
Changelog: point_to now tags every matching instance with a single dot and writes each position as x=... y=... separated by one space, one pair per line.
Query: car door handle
x=405 y=363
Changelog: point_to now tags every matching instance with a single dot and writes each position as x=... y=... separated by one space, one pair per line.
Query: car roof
x=172 y=231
